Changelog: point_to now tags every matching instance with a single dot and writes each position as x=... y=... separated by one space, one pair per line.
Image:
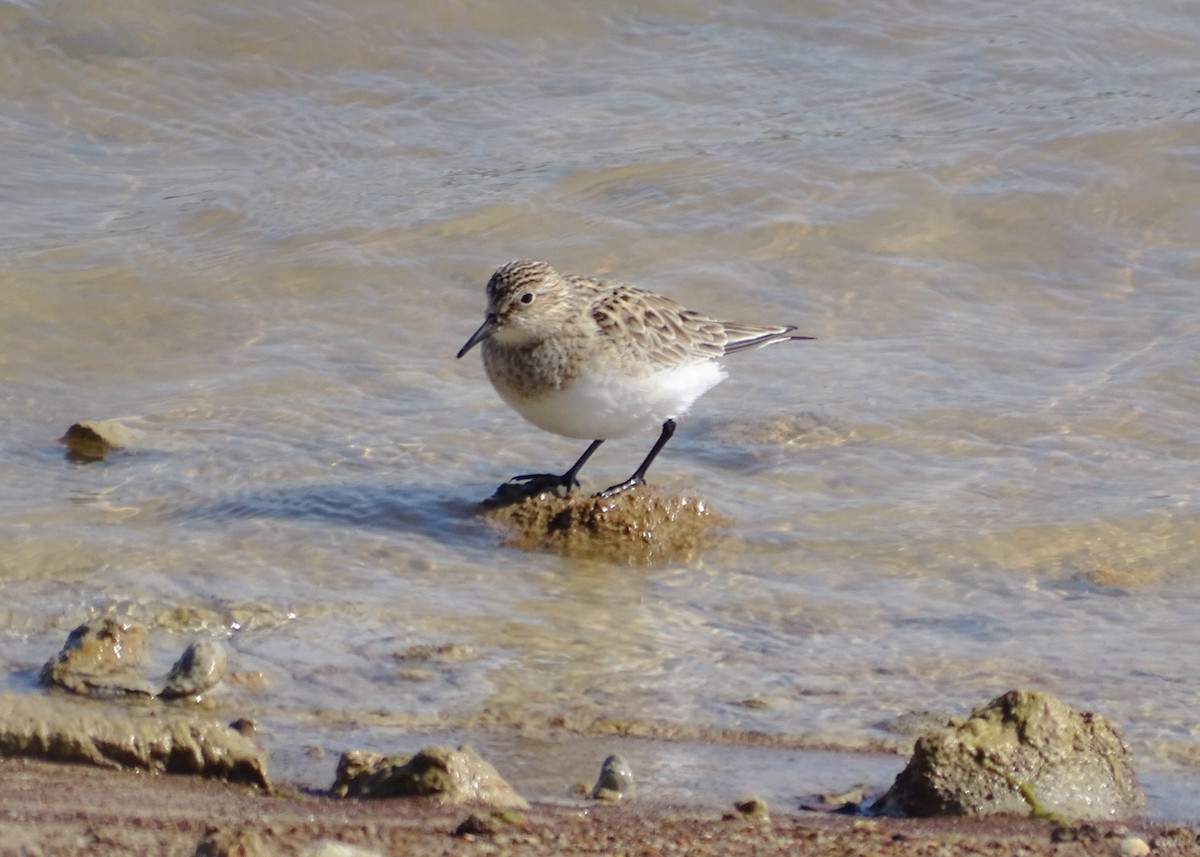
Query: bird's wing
x=651 y=330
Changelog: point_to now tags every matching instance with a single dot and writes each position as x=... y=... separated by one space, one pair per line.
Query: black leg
x=538 y=482
x=639 y=475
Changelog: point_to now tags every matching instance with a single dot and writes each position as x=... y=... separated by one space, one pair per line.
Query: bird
x=596 y=359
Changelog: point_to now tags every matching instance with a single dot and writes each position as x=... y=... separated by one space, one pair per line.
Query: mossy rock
x=59 y=730
x=638 y=527
x=102 y=657
x=441 y=774
x=1024 y=753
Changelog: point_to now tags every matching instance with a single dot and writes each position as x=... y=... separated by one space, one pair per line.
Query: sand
x=56 y=809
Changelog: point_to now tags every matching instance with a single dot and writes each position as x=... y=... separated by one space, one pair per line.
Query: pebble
x=615 y=781
x=480 y=824
x=1134 y=846
x=332 y=848
x=752 y=806
x=199 y=669
x=227 y=842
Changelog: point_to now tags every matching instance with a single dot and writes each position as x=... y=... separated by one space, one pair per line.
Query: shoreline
x=59 y=809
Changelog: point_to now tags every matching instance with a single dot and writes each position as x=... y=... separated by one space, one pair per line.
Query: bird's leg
x=537 y=482
x=639 y=475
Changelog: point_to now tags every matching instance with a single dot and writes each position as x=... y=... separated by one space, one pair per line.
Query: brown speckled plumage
x=591 y=358
x=631 y=328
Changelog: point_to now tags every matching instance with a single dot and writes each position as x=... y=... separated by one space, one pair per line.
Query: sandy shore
x=49 y=809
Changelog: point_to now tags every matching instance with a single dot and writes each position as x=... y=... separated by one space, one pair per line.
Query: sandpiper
x=597 y=359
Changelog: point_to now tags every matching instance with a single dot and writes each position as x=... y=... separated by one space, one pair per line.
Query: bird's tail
x=743 y=337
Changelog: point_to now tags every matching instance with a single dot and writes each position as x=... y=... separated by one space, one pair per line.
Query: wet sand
x=53 y=809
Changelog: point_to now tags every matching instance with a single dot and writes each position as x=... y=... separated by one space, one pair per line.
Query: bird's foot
x=536 y=483
x=621 y=488
x=521 y=488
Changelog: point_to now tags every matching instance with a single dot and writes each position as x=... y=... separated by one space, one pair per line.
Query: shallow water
x=257 y=233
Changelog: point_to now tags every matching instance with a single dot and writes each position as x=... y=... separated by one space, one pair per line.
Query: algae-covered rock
x=101 y=657
x=105 y=658
x=59 y=730
x=1025 y=753
x=640 y=526
x=439 y=773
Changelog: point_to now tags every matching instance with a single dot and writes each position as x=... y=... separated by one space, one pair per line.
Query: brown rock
x=1025 y=753
x=615 y=781
x=59 y=730
x=639 y=526
x=752 y=806
x=484 y=823
x=92 y=440
x=223 y=842
x=102 y=657
x=439 y=773
x=200 y=668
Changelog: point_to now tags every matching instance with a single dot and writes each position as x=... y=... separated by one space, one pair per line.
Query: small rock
x=485 y=823
x=92 y=440
x=439 y=773
x=102 y=657
x=752 y=806
x=333 y=848
x=199 y=668
x=1174 y=839
x=477 y=824
x=1134 y=846
x=1075 y=833
x=448 y=652
x=222 y=842
x=852 y=795
x=615 y=781
x=253 y=680
x=244 y=726
x=914 y=724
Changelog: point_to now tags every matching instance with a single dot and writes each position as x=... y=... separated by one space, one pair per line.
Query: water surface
x=257 y=233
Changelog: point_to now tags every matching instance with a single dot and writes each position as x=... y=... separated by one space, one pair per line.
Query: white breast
x=602 y=406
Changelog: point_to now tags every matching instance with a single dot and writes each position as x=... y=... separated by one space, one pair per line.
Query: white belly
x=599 y=407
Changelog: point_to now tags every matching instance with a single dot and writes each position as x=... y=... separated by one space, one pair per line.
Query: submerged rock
x=199 y=669
x=92 y=440
x=1025 y=753
x=60 y=731
x=102 y=657
x=439 y=773
x=805 y=430
x=639 y=526
x=615 y=781
x=752 y=806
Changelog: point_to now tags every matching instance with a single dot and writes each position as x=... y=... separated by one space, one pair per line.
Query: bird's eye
x=527 y=298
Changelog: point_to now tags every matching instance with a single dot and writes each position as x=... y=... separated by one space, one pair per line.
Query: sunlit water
x=257 y=233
